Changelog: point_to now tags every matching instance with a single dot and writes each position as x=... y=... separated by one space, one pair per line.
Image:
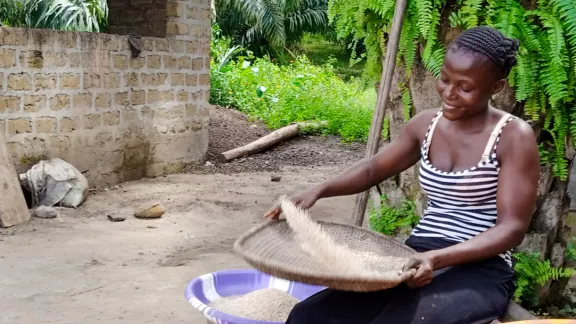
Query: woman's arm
x=402 y=153
x=516 y=200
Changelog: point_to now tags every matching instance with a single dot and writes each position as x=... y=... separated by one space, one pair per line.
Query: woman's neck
x=472 y=124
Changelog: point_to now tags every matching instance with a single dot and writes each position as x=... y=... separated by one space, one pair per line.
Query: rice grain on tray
x=320 y=245
x=267 y=304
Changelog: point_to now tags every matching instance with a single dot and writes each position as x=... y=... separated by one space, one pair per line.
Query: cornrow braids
x=492 y=43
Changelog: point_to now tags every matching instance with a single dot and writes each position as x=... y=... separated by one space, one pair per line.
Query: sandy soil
x=83 y=268
x=230 y=129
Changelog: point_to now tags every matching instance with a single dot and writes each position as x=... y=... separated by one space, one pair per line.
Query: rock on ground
x=45 y=212
x=150 y=209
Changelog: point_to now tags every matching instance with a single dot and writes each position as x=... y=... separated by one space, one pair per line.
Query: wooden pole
x=381 y=102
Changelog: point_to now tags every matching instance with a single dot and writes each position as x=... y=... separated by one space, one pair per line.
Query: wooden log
x=13 y=209
x=269 y=140
x=381 y=103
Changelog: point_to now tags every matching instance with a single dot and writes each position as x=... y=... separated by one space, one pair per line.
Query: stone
x=45 y=125
x=276 y=178
x=543 y=293
x=151 y=209
x=154 y=61
x=557 y=255
x=204 y=79
x=545 y=181
x=116 y=217
x=45 y=212
x=423 y=89
x=68 y=124
x=174 y=28
x=32 y=59
x=60 y=102
x=19 y=82
x=7 y=58
x=120 y=61
x=9 y=104
x=70 y=81
x=19 y=126
x=34 y=103
x=505 y=99
x=548 y=216
x=534 y=243
x=92 y=121
x=45 y=81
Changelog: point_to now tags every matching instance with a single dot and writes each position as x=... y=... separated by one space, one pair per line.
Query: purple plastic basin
x=213 y=286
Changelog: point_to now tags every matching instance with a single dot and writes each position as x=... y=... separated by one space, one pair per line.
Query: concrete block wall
x=82 y=97
x=142 y=17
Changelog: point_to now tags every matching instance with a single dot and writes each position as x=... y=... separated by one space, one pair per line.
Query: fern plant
x=390 y=220
x=531 y=274
x=544 y=79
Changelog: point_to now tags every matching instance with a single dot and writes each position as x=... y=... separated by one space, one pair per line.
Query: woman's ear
x=498 y=86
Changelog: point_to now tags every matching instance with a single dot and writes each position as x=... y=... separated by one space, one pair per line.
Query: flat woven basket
x=272 y=249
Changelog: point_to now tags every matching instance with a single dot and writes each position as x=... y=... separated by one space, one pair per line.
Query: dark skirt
x=470 y=294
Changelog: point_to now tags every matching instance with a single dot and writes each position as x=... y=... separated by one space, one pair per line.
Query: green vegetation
x=571 y=250
x=299 y=91
x=77 y=15
x=544 y=79
x=320 y=50
x=390 y=220
x=269 y=27
x=532 y=274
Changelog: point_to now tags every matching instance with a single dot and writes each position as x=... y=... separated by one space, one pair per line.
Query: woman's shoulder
x=418 y=125
x=517 y=129
x=425 y=116
x=517 y=136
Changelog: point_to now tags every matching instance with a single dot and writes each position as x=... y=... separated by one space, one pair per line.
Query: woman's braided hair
x=492 y=43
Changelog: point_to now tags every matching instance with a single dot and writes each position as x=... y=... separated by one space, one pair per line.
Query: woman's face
x=466 y=84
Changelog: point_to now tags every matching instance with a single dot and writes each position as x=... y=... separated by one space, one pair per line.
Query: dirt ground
x=83 y=268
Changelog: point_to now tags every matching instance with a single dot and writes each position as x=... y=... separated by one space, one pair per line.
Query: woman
x=479 y=168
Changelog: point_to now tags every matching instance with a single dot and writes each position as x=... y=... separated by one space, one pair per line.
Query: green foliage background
x=282 y=94
x=544 y=78
x=268 y=27
x=76 y=15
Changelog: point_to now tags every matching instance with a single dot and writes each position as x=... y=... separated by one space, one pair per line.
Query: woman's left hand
x=423 y=263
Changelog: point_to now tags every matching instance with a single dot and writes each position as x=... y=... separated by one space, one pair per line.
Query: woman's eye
x=465 y=90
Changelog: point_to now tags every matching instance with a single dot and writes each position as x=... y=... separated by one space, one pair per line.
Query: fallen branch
x=269 y=140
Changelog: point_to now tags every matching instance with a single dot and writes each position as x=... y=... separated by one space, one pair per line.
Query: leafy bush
x=532 y=274
x=390 y=220
x=300 y=91
x=544 y=78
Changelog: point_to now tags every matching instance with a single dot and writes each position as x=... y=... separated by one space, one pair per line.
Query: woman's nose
x=449 y=92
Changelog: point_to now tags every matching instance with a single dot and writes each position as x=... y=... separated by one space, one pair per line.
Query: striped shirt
x=461 y=204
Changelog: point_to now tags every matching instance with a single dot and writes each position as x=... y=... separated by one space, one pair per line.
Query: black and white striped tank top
x=461 y=204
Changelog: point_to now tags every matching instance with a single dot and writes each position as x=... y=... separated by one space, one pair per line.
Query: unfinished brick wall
x=83 y=98
x=142 y=17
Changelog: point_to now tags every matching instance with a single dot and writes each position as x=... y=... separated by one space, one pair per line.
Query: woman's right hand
x=305 y=200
